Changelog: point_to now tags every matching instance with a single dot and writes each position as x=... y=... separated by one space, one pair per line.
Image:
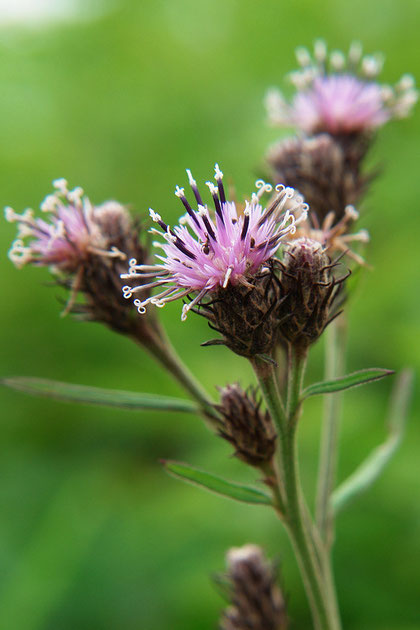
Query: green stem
x=154 y=339
x=293 y=514
x=334 y=366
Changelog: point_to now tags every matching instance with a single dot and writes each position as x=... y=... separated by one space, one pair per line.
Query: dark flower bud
x=245 y=426
x=245 y=315
x=257 y=602
x=309 y=290
x=326 y=172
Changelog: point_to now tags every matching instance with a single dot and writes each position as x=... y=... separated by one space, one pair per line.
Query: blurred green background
x=120 y=98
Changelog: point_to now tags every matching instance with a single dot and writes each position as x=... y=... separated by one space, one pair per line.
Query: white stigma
x=337 y=59
x=371 y=66
x=191 y=179
x=140 y=308
x=227 y=276
x=75 y=195
x=303 y=57
x=154 y=216
x=50 y=203
x=320 y=50
x=10 y=215
x=127 y=292
x=213 y=189
x=179 y=192
x=351 y=213
x=405 y=83
x=362 y=236
x=218 y=173
x=184 y=313
x=61 y=185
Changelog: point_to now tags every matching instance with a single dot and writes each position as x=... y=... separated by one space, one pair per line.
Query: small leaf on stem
x=97 y=396
x=228 y=489
x=346 y=382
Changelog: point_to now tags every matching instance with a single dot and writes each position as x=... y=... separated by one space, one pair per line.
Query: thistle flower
x=257 y=601
x=339 y=94
x=65 y=241
x=245 y=426
x=84 y=246
x=207 y=254
x=320 y=169
x=310 y=291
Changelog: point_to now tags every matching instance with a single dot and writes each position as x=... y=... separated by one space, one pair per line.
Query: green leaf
x=98 y=396
x=364 y=476
x=246 y=494
x=346 y=382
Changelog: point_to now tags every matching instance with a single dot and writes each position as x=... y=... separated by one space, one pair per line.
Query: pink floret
x=339 y=104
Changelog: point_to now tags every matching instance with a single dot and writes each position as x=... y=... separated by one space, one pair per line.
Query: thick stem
x=334 y=366
x=154 y=339
x=293 y=513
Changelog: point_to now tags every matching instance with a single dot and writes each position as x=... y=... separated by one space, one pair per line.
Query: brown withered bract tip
x=311 y=292
x=248 y=428
x=257 y=601
x=324 y=170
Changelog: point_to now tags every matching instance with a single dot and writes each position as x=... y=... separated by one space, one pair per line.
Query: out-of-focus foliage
x=93 y=534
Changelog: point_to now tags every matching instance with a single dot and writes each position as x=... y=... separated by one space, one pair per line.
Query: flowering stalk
x=291 y=507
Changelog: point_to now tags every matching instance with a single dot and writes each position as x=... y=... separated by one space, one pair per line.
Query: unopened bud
x=310 y=291
x=257 y=601
x=245 y=315
x=320 y=169
x=249 y=429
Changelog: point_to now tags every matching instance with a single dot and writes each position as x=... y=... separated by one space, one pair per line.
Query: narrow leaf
x=98 y=396
x=246 y=494
x=346 y=382
x=364 y=476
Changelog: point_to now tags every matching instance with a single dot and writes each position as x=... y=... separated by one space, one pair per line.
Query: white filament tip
x=191 y=179
x=154 y=216
x=61 y=185
x=218 y=173
x=213 y=189
x=351 y=213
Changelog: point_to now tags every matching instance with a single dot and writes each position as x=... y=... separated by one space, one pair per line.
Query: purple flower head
x=211 y=250
x=63 y=240
x=339 y=94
